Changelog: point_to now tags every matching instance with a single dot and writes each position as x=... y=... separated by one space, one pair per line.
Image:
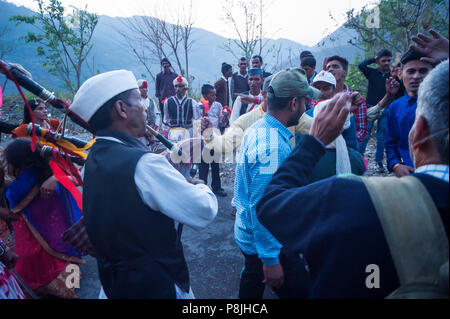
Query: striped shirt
x=436 y=170
x=265 y=146
x=360 y=118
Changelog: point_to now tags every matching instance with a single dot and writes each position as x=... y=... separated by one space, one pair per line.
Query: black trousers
x=161 y=108
x=215 y=173
x=296 y=280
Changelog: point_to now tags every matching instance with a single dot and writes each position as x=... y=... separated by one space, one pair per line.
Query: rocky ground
x=213 y=258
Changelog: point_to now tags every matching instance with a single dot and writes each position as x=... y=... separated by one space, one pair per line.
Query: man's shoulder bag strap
x=415 y=234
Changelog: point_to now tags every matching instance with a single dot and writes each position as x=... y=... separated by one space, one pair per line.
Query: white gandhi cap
x=99 y=89
x=325 y=76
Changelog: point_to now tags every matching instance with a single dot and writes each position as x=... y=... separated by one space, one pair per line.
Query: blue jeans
x=381 y=130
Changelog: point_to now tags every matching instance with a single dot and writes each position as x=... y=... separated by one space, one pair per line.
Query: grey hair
x=432 y=104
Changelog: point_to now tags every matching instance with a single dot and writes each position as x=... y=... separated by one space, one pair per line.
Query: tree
x=162 y=32
x=5 y=47
x=63 y=41
x=392 y=23
x=245 y=18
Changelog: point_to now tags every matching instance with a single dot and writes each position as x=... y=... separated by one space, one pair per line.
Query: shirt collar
x=244 y=76
x=437 y=170
x=180 y=101
x=224 y=78
x=410 y=99
x=274 y=123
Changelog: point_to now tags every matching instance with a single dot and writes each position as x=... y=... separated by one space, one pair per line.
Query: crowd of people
x=307 y=221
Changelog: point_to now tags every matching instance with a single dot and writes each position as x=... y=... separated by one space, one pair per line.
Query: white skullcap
x=98 y=90
x=179 y=79
x=325 y=76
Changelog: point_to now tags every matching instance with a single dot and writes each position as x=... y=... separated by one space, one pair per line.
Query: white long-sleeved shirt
x=236 y=111
x=162 y=188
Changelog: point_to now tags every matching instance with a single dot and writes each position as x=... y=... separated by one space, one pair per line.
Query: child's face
x=211 y=96
x=325 y=88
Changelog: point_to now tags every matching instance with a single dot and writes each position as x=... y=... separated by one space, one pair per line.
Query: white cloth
x=162 y=188
x=214 y=114
x=343 y=165
x=236 y=111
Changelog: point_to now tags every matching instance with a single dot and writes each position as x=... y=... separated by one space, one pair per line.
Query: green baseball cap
x=292 y=82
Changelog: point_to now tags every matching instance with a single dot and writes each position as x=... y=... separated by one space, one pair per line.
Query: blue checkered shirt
x=266 y=144
x=436 y=170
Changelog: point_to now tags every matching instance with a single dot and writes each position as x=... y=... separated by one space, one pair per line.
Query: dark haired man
x=257 y=63
x=338 y=66
x=164 y=84
x=255 y=82
x=305 y=54
x=222 y=85
x=339 y=225
x=265 y=146
x=402 y=112
x=180 y=111
x=239 y=80
x=132 y=199
x=375 y=92
x=309 y=66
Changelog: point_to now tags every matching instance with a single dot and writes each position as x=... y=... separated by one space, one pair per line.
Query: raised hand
x=357 y=100
x=328 y=124
x=436 y=49
x=392 y=86
x=324 y=63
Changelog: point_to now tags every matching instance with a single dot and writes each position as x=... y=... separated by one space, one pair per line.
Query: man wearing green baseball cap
x=265 y=146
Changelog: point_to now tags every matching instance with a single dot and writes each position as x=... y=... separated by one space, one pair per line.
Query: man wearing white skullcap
x=179 y=112
x=130 y=219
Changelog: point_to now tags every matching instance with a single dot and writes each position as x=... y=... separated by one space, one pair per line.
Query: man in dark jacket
x=222 y=85
x=132 y=199
x=333 y=223
x=375 y=92
x=164 y=84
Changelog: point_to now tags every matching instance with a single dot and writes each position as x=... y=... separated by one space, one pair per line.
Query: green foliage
x=64 y=41
x=354 y=80
x=392 y=23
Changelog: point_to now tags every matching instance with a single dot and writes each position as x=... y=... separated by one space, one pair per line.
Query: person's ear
x=345 y=73
x=121 y=110
x=422 y=131
x=293 y=105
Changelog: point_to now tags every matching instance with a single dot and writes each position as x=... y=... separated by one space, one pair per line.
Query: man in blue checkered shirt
x=265 y=146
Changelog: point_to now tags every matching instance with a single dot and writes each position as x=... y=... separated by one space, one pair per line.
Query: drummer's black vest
x=180 y=115
x=243 y=109
x=138 y=249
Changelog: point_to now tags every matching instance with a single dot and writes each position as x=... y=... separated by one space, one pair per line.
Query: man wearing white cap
x=130 y=219
x=325 y=82
x=179 y=112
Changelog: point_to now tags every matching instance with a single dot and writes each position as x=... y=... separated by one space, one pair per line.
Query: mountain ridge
x=110 y=55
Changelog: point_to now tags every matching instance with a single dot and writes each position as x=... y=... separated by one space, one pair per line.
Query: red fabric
x=67 y=183
x=35 y=265
x=205 y=106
